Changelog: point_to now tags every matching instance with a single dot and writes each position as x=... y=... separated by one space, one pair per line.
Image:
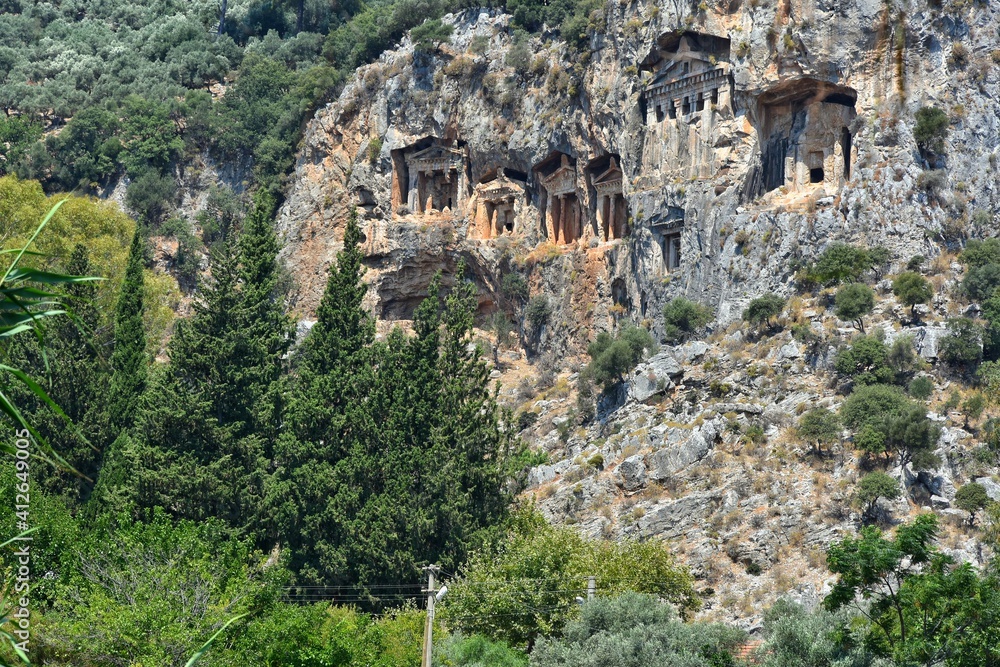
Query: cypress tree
x=129 y=360
x=327 y=421
x=267 y=330
x=393 y=452
x=199 y=456
x=212 y=412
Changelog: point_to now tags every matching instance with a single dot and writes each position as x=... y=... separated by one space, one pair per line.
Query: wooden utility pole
x=429 y=625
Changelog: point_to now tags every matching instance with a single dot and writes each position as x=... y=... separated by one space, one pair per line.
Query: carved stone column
x=421 y=192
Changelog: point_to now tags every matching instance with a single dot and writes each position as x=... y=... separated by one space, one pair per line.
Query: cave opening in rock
x=845 y=149
x=816 y=175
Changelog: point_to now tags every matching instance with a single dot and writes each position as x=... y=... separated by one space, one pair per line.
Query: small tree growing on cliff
x=611 y=357
x=972 y=498
x=430 y=35
x=763 y=310
x=873 y=486
x=819 y=427
x=682 y=317
x=912 y=289
x=931 y=129
x=853 y=302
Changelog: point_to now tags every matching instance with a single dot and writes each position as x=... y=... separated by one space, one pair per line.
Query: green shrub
x=555 y=562
x=916 y=263
x=974 y=406
x=931 y=129
x=648 y=627
x=853 y=302
x=151 y=195
x=478 y=651
x=921 y=388
x=762 y=310
x=886 y=421
x=912 y=289
x=962 y=347
x=374 y=149
x=819 y=427
x=683 y=317
x=873 y=486
x=839 y=263
x=865 y=362
x=514 y=287
x=972 y=498
x=431 y=34
x=539 y=311
x=982 y=277
x=611 y=357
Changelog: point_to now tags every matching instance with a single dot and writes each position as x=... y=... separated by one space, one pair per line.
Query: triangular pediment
x=613 y=173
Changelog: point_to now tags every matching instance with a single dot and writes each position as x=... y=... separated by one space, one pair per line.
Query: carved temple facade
x=496 y=203
x=805 y=136
x=429 y=176
x=561 y=203
x=691 y=85
x=611 y=213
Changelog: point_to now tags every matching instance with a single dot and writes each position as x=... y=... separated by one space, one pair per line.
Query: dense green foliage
x=128 y=361
x=920 y=608
x=982 y=276
x=635 y=630
x=400 y=442
x=866 y=361
x=912 y=289
x=885 y=421
x=796 y=637
x=682 y=318
x=529 y=580
x=841 y=263
x=853 y=302
x=613 y=356
x=962 y=348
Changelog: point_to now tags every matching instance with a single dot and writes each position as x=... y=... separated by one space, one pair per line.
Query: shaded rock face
x=685 y=151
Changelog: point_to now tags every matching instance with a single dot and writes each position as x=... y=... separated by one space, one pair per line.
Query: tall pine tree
x=129 y=361
x=327 y=420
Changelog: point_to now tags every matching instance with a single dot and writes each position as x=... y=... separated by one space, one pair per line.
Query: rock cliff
x=704 y=150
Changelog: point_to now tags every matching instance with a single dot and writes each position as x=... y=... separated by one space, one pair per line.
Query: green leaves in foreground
x=24 y=306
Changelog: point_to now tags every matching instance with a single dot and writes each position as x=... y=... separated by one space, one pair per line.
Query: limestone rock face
x=654 y=376
x=695 y=150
